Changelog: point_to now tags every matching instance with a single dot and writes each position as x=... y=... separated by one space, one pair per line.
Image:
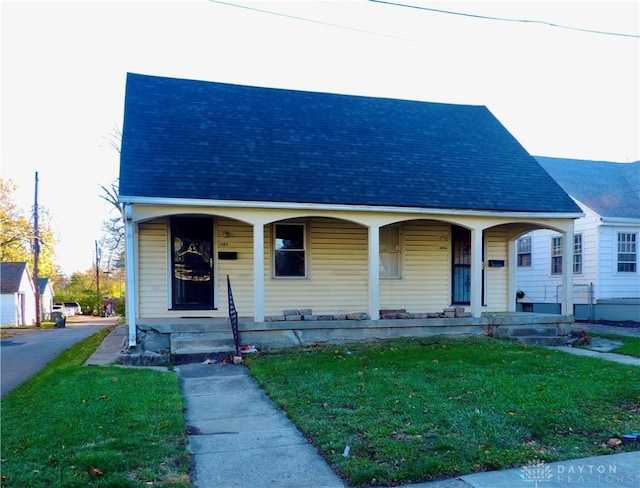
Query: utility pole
x=98 y=277
x=36 y=254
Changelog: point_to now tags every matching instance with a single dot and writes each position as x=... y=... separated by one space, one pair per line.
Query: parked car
x=61 y=307
x=75 y=306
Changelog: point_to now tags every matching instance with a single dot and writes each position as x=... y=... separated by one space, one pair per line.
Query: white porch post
x=476 y=272
x=567 y=272
x=130 y=270
x=374 y=272
x=258 y=272
x=511 y=278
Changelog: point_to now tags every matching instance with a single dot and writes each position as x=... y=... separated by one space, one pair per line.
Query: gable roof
x=43 y=283
x=185 y=139
x=11 y=276
x=609 y=189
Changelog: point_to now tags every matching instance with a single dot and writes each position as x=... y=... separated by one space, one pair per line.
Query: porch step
x=539 y=335
x=202 y=343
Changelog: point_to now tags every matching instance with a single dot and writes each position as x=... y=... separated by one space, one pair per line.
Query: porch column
x=567 y=272
x=374 y=272
x=476 y=272
x=130 y=271
x=512 y=264
x=258 y=272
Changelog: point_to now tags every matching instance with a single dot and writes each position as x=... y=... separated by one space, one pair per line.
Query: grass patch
x=630 y=346
x=77 y=426
x=432 y=408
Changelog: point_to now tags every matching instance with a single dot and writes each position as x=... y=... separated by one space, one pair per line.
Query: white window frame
x=556 y=255
x=577 y=254
x=275 y=250
x=524 y=249
x=392 y=254
x=627 y=246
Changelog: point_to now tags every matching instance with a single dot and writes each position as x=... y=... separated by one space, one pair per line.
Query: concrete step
x=533 y=331
x=206 y=342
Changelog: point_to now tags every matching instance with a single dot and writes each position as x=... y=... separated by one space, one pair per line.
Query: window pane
x=524 y=252
x=289 y=257
x=289 y=237
x=389 y=262
x=389 y=239
x=290 y=263
x=627 y=257
x=556 y=253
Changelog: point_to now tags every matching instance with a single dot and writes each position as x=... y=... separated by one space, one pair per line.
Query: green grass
x=424 y=409
x=78 y=426
x=630 y=346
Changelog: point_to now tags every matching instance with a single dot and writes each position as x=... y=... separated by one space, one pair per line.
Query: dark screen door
x=461 y=279
x=192 y=263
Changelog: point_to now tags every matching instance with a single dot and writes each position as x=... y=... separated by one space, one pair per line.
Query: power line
x=505 y=19
x=304 y=19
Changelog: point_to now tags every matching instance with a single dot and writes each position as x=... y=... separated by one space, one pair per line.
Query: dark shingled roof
x=204 y=140
x=609 y=189
x=10 y=277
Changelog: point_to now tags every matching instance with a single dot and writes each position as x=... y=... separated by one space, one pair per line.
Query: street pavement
x=240 y=439
x=26 y=351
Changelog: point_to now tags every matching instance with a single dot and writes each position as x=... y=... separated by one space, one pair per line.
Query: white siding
x=599 y=265
x=611 y=283
x=8 y=312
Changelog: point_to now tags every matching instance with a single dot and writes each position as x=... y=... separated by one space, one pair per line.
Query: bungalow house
x=17 y=295
x=321 y=208
x=606 y=276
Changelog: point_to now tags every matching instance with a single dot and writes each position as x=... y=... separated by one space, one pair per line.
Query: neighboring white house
x=17 y=295
x=606 y=274
x=46 y=298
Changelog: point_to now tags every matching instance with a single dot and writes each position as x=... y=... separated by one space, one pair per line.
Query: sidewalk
x=240 y=439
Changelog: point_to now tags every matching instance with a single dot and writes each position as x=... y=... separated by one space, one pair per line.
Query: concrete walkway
x=240 y=439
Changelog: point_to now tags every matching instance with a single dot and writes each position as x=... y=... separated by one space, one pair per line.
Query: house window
x=556 y=255
x=577 y=254
x=289 y=251
x=524 y=252
x=389 y=262
x=627 y=252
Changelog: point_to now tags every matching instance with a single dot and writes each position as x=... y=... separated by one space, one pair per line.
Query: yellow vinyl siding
x=426 y=269
x=154 y=262
x=234 y=236
x=496 y=279
x=153 y=266
x=337 y=281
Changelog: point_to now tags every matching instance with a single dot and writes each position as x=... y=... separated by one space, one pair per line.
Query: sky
x=562 y=76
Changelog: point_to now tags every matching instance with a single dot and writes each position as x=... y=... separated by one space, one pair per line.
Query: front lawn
x=78 y=426
x=406 y=411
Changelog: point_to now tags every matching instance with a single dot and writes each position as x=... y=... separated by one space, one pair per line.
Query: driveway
x=26 y=351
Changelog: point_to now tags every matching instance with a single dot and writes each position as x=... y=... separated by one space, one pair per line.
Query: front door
x=192 y=263
x=461 y=266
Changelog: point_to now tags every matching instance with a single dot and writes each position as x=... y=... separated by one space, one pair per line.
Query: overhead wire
x=304 y=19
x=505 y=19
